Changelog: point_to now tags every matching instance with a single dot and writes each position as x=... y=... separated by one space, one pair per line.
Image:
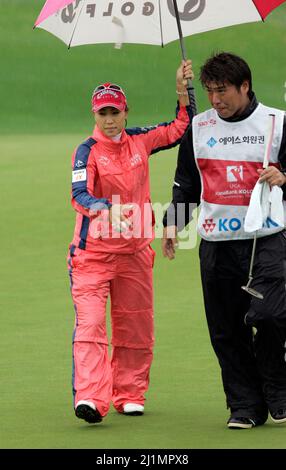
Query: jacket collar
x=106 y=141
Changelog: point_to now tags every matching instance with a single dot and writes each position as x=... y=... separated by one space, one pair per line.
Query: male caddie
x=220 y=160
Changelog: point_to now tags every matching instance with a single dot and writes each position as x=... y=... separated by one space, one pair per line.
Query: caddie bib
x=228 y=155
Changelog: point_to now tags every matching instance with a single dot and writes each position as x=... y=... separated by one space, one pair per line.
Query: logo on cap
x=106 y=97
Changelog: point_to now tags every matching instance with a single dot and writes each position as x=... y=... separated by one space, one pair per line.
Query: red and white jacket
x=107 y=172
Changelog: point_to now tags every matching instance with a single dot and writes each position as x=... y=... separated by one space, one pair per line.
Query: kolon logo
x=192 y=9
x=209 y=225
x=234 y=174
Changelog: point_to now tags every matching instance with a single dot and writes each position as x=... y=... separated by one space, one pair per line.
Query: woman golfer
x=110 y=254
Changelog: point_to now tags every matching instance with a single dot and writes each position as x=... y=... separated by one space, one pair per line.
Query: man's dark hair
x=226 y=67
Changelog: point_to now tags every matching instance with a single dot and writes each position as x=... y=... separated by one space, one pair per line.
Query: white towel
x=276 y=205
x=264 y=203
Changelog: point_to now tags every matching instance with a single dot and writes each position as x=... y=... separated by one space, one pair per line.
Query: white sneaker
x=86 y=410
x=133 y=409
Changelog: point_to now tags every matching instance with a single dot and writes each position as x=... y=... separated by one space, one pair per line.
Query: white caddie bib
x=228 y=155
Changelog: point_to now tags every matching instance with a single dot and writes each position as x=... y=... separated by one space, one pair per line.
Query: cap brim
x=120 y=107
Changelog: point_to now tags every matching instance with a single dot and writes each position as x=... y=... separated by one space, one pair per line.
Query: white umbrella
x=158 y=22
x=78 y=22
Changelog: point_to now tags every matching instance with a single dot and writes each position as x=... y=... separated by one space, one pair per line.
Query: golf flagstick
x=268 y=145
x=190 y=87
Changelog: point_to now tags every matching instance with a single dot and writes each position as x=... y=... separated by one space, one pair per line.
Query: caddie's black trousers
x=253 y=366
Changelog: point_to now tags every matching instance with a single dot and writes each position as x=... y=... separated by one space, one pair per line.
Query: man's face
x=226 y=99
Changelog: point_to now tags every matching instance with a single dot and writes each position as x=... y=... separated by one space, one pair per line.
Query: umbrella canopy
x=144 y=22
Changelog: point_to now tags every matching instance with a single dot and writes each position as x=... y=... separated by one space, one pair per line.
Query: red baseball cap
x=108 y=94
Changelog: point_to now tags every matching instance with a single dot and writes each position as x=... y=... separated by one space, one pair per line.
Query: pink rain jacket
x=107 y=172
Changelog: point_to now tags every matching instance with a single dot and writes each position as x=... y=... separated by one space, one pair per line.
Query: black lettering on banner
x=109 y=11
x=148 y=9
x=90 y=9
x=127 y=8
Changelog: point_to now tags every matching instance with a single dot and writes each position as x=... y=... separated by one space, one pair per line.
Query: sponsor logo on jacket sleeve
x=79 y=175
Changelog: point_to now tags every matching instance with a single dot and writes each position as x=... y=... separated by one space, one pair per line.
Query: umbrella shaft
x=184 y=55
x=190 y=87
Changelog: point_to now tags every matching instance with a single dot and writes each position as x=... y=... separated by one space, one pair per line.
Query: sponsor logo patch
x=234 y=174
x=210 y=122
x=79 y=175
x=79 y=164
x=209 y=225
x=212 y=142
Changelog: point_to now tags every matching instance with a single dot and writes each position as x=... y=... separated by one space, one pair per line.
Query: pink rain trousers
x=127 y=279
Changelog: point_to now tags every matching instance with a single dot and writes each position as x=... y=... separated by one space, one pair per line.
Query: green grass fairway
x=45 y=96
x=185 y=404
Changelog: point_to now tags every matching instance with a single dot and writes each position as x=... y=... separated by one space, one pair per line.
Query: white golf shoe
x=133 y=409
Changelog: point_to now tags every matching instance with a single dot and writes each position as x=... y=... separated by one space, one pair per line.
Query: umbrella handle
x=192 y=97
x=190 y=88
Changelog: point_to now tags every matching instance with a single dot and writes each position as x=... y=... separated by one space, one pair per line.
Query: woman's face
x=110 y=121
